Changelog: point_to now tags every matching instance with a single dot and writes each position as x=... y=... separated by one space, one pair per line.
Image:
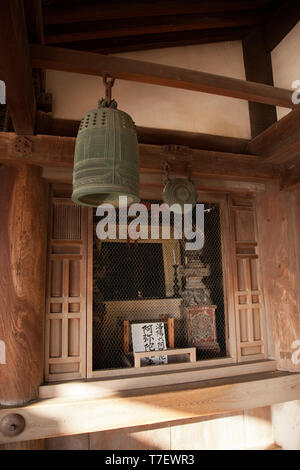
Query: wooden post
x=23 y=245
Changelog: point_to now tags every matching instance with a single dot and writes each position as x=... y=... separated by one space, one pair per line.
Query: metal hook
x=108 y=86
x=166 y=169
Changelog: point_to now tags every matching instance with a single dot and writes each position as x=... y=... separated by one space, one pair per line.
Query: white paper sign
x=149 y=337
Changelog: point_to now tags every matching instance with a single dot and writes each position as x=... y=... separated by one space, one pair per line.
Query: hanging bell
x=106 y=161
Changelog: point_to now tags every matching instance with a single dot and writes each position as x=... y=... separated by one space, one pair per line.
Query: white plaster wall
x=286 y=424
x=163 y=107
x=286 y=63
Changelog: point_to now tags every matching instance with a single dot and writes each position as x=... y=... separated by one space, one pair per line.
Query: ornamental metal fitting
x=108 y=83
x=12 y=425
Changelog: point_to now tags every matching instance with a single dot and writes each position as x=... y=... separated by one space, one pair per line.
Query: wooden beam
x=128 y=69
x=281 y=23
x=146 y=135
x=60 y=14
x=15 y=67
x=291 y=177
x=51 y=151
x=85 y=31
x=258 y=68
x=280 y=143
x=58 y=417
x=155 y=41
x=22 y=283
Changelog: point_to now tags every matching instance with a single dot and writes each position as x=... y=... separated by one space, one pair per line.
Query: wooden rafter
x=15 y=68
x=128 y=69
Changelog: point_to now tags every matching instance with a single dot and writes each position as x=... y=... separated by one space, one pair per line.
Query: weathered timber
x=89 y=63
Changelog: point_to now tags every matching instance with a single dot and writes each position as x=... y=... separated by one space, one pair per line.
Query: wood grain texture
x=15 y=67
x=23 y=238
x=56 y=417
x=278 y=227
x=273 y=142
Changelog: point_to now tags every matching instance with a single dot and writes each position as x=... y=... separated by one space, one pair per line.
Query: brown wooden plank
x=146 y=72
x=50 y=151
x=15 y=68
x=56 y=14
x=281 y=22
x=258 y=68
x=274 y=140
x=169 y=23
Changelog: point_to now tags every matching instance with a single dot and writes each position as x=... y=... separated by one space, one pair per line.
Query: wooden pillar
x=278 y=230
x=23 y=248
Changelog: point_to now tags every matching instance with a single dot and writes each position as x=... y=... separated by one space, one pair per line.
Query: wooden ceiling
x=118 y=26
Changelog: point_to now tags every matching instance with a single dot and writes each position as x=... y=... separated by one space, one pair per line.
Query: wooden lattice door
x=65 y=332
x=249 y=301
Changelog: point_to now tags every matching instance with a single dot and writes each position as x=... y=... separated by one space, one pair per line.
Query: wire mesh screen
x=155 y=280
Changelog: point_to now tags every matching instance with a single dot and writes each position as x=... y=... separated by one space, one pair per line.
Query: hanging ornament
x=106 y=161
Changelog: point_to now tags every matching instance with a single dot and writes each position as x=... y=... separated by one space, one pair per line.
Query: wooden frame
x=155 y=193
x=167 y=352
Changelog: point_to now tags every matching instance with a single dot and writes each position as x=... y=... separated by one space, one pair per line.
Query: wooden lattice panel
x=65 y=335
x=249 y=303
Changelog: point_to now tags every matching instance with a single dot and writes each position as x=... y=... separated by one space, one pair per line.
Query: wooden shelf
x=66 y=416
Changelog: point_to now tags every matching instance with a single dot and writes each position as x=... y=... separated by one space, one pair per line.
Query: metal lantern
x=106 y=162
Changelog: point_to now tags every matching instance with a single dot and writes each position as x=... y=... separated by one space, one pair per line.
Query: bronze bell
x=106 y=161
